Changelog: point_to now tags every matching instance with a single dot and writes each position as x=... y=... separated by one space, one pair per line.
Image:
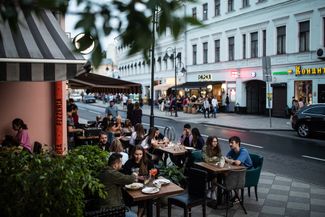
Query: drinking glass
x=135 y=171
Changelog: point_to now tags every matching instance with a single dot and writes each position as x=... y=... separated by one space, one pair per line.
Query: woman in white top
x=117 y=147
x=138 y=137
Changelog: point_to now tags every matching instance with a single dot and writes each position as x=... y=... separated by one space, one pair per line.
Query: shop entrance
x=321 y=93
x=279 y=100
x=256 y=97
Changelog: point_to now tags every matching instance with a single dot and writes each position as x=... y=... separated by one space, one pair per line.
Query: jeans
x=205 y=111
x=215 y=111
x=130 y=214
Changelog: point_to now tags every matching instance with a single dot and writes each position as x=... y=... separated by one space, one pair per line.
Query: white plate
x=134 y=186
x=189 y=148
x=161 y=181
x=150 y=190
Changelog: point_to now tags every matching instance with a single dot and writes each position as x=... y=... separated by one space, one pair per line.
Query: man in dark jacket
x=114 y=181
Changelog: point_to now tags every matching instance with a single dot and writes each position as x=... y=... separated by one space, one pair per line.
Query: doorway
x=256 y=97
x=321 y=93
x=279 y=100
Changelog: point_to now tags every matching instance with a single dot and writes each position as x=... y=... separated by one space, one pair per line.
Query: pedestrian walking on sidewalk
x=227 y=103
x=214 y=103
x=206 y=106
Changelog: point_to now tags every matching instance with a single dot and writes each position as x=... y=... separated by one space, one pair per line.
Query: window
x=264 y=43
x=244 y=46
x=205 y=52
x=205 y=11
x=245 y=3
x=230 y=5
x=254 y=45
x=194 y=47
x=194 y=13
x=317 y=111
x=216 y=7
x=217 y=50
x=231 y=48
x=323 y=31
x=281 y=39
x=304 y=36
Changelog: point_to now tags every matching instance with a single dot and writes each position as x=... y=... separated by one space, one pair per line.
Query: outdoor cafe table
x=212 y=168
x=165 y=190
x=173 y=150
x=85 y=140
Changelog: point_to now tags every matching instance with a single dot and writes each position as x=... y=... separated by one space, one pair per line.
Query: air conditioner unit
x=321 y=53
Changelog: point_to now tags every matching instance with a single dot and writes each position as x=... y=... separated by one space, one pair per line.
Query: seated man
x=186 y=137
x=103 y=141
x=114 y=181
x=237 y=155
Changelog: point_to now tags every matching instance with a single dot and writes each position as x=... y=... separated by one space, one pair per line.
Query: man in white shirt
x=214 y=103
x=206 y=106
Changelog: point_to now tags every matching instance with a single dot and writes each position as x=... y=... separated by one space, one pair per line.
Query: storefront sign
x=205 y=77
x=309 y=71
x=59 y=118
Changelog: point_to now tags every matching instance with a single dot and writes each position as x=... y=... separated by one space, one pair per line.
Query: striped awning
x=39 y=50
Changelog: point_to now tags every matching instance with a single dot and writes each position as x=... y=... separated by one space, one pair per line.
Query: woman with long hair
x=138 y=137
x=197 y=141
x=128 y=128
x=22 y=136
x=140 y=163
x=138 y=160
x=117 y=147
x=211 y=152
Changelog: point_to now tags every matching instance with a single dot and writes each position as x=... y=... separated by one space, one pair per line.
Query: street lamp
x=171 y=53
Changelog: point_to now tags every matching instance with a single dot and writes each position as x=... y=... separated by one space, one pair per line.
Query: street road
x=284 y=153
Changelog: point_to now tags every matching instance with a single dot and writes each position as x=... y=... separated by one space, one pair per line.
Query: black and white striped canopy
x=39 y=50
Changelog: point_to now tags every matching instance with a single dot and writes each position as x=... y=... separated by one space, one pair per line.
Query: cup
x=135 y=171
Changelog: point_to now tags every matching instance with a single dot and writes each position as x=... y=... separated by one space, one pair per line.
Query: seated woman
x=138 y=137
x=155 y=141
x=117 y=147
x=211 y=152
x=117 y=128
x=110 y=132
x=140 y=163
x=197 y=140
x=22 y=136
x=127 y=129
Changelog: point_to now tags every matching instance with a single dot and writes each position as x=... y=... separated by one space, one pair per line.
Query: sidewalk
x=279 y=196
x=233 y=120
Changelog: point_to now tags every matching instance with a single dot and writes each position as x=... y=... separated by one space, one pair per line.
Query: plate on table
x=150 y=190
x=134 y=186
x=161 y=181
x=189 y=148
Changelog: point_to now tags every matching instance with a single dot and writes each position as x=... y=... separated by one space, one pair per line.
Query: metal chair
x=233 y=182
x=253 y=174
x=196 y=195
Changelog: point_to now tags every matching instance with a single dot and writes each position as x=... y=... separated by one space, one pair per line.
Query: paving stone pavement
x=278 y=196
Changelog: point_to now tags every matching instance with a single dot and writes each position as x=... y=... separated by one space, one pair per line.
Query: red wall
x=34 y=102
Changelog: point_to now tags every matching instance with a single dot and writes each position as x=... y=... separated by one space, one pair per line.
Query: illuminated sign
x=309 y=71
x=205 y=77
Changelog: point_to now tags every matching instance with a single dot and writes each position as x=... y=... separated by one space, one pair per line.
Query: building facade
x=259 y=52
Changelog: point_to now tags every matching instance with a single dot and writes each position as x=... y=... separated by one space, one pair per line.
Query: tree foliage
x=131 y=19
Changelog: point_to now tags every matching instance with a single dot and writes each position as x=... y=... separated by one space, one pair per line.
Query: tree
x=131 y=19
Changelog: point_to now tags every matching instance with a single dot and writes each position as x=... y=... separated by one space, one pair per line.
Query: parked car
x=89 y=99
x=76 y=97
x=309 y=119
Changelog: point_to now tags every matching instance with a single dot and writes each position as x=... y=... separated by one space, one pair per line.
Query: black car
x=89 y=99
x=309 y=119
